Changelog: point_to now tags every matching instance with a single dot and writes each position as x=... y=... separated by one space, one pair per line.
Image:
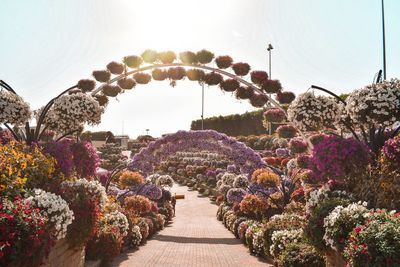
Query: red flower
x=358 y=229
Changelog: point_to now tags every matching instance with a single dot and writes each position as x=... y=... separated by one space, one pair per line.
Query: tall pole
x=270 y=76
x=202 y=106
x=384 y=41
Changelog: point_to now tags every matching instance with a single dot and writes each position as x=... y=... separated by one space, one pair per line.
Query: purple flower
x=151 y=191
x=62 y=152
x=235 y=195
x=282 y=152
x=391 y=149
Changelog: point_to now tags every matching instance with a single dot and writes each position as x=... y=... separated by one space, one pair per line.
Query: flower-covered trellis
x=84 y=102
x=242 y=156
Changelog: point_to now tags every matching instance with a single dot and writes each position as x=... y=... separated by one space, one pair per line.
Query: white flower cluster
x=241 y=181
x=117 y=219
x=71 y=112
x=280 y=239
x=55 y=208
x=334 y=223
x=94 y=188
x=152 y=178
x=317 y=196
x=258 y=241
x=165 y=180
x=228 y=178
x=376 y=104
x=309 y=112
x=136 y=236
x=13 y=109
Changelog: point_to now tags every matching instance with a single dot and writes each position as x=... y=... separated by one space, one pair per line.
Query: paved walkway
x=194 y=239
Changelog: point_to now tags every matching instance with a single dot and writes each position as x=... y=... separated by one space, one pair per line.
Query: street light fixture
x=269 y=49
x=147 y=131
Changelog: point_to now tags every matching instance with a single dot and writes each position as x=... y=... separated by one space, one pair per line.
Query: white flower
x=13 y=109
x=119 y=220
x=94 y=188
x=280 y=239
x=55 y=208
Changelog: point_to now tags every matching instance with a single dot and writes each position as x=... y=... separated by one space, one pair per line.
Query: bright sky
x=47 y=46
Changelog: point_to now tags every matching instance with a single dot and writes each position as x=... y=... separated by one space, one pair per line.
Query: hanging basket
x=285 y=97
x=126 y=83
x=102 y=75
x=177 y=73
x=166 y=57
x=142 y=78
x=258 y=76
x=102 y=99
x=159 y=74
x=229 y=85
x=271 y=86
x=188 y=57
x=195 y=75
x=223 y=62
x=111 y=90
x=204 y=56
x=149 y=56
x=133 y=61
x=86 y=85
x=213 y=78
x=258 y=101
x=241 y=69
x=244 y=92
x=115 y=67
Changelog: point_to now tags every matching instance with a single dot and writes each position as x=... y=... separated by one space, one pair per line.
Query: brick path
x=194 y=239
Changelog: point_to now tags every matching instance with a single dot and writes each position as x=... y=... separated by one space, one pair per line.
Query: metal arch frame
x=155 y=66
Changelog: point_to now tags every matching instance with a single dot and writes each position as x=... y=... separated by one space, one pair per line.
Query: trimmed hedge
x=249 y=123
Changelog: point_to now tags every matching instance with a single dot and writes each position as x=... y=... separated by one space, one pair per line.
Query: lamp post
x=383 y=40
x=269 y=51
x=147 y=131
x=202 y=106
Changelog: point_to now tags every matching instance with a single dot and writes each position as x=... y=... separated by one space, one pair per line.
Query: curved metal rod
x=7 y=87
x=154 y=66
x=328 y=92
x=16 y=136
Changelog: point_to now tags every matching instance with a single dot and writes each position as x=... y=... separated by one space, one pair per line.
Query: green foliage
x=300 y=255
x=233 y=125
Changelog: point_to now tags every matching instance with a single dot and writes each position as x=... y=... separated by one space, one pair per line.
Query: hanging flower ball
x=176 y=73
x=102 y=75
x=149 y=56
x=188 y=57
x=195 y=75
x=142 y=78
x=101 y=99
x=275 y=115
x=244 y=92
x=271 y=86
x=297 y=146
x=133 y=61
x=224 y=62
x=204 y=56
x=13 y=109
x=86 y=85
x=115 y=67
x=111 y=90
x=310 y=113
x=258 y=100
x=159 y=74
x=376 y=104
x=258 y=76
x=285 y=97
x=286 y=131
x=166 y=57
x=126 y=83
x=229 y=85
x=241 y=69
x=213 y=78
x=315 y=139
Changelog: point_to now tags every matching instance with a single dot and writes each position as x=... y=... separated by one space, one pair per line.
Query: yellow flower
x=20 y=181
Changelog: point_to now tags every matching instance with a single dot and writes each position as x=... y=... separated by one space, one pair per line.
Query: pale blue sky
x=47 y=46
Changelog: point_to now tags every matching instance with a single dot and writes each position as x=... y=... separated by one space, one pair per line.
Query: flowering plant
x=85 y=198
x=341 y=221
x=235 y=195
x=55 y=209
x=275 y=115
x=282 y=238
x=223 y=62
x=375 y=243
x=129 y=179
x=137 y=205
x=241 y=69
x=309 y=112
x=285 y=97
x=286 y=131
x=253 y=206
x=24 y=240
x=13 y=109
x=165 y=180
x=301 y=255
x=119 y=220
x=297 y=145
x=86 y=159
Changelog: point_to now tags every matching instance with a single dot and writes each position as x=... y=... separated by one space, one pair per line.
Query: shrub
x=137 y=205
x=129 y=179
x=300 y=255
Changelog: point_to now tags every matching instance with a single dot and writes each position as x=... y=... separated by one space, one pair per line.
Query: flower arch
x=241 y=155
x=84 y=103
